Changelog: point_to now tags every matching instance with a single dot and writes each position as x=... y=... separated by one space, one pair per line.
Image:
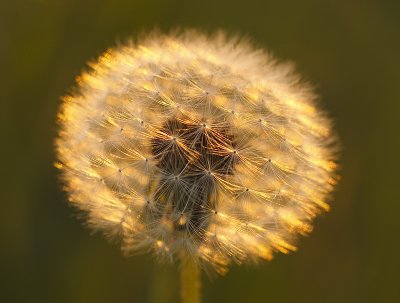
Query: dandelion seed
x=209 y=150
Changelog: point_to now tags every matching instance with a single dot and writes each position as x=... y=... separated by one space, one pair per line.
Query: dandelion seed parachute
x=196 y=146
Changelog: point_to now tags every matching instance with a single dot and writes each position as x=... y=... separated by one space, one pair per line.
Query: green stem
x=190 y=281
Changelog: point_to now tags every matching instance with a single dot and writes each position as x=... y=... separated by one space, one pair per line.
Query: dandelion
x=197 y=148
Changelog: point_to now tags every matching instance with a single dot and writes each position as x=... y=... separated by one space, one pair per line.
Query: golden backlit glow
x=196 y=145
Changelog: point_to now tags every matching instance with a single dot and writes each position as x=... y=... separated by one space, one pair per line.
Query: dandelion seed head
x=198 y=146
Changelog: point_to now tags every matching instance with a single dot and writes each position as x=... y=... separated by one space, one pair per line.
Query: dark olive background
x=348 y=49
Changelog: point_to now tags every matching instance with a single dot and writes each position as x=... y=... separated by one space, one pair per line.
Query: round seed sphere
x=196 y=146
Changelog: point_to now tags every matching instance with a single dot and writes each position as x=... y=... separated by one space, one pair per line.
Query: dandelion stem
x=190 y=281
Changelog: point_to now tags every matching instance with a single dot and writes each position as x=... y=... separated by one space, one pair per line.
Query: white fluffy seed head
x=196 y=146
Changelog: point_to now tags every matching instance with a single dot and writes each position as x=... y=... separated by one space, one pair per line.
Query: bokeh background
x=348 y=49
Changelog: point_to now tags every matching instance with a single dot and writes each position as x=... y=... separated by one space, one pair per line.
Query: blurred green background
x=349 y=49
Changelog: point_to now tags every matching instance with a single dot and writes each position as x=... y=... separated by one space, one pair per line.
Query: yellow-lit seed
x=197 y=145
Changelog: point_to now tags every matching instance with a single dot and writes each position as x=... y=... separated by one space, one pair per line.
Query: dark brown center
x=191 y=156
